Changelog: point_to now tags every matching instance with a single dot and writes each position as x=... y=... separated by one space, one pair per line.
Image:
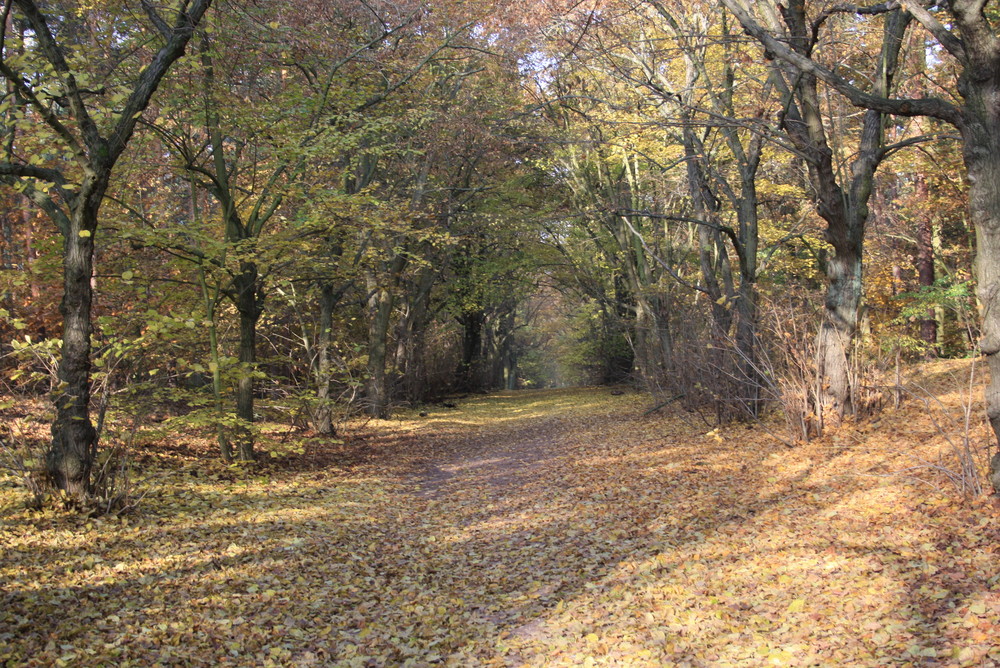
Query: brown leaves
x=532 y=528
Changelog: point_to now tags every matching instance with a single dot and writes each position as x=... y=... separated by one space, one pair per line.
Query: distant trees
x=664 y=137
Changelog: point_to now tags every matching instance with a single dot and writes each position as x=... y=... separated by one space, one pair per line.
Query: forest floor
x=529 y=528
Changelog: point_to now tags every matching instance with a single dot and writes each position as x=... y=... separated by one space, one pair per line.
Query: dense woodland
x=218 y=214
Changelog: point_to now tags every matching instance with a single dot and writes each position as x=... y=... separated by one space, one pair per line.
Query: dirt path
x=502 y=464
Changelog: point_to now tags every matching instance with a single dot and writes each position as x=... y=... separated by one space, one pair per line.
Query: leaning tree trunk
x=751 y=377
x=74 y=439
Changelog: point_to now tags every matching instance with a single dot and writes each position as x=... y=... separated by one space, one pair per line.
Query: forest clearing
x=550 y=527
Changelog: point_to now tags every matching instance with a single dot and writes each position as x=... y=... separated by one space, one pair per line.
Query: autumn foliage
x=457 y=333
x=530 y=528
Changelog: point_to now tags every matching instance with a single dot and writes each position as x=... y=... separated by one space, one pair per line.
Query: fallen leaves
x=535 y=528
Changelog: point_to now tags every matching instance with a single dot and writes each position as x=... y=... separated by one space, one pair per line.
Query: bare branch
x=933 y=107
x=949 y=41
x=666 y=267
x=851 y=8
x=3 y=24
x=913 y=141
x=32 y=172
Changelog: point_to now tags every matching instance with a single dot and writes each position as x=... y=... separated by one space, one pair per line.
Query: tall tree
x=843 y=204
x=62 y=142
x=964 y=31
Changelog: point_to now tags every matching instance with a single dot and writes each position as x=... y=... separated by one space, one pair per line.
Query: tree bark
x=74 y=439
x=248 y=306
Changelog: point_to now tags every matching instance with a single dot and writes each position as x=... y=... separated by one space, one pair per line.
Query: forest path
x=505 y=441
x=501 y=463
x=540 y=528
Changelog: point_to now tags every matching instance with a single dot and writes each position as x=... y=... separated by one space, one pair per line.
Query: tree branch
x=913 y=141
x=32 y=172
x=933 y=107
x=850 y=8
x=45 y=112
x=155 y=19
x=950 y=42
x=152 y=75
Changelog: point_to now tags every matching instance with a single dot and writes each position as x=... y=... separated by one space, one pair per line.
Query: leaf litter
x=525 y=528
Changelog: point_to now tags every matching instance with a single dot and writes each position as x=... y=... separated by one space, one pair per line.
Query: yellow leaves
x=798 y=605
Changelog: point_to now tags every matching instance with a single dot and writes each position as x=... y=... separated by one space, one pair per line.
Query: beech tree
x=965 y=33
x=69 y=116
x=842 y=202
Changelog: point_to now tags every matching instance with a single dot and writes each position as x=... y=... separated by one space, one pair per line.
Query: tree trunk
x=925 y=263
x=380 y=310
x=472 y=344
x=845 y=210
x=245 y=285
x=746 y=303
x=74 y=439
x=418 y=318
x=323 y=413
x=211 y=301
x=981 y=135
x=840 y=322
